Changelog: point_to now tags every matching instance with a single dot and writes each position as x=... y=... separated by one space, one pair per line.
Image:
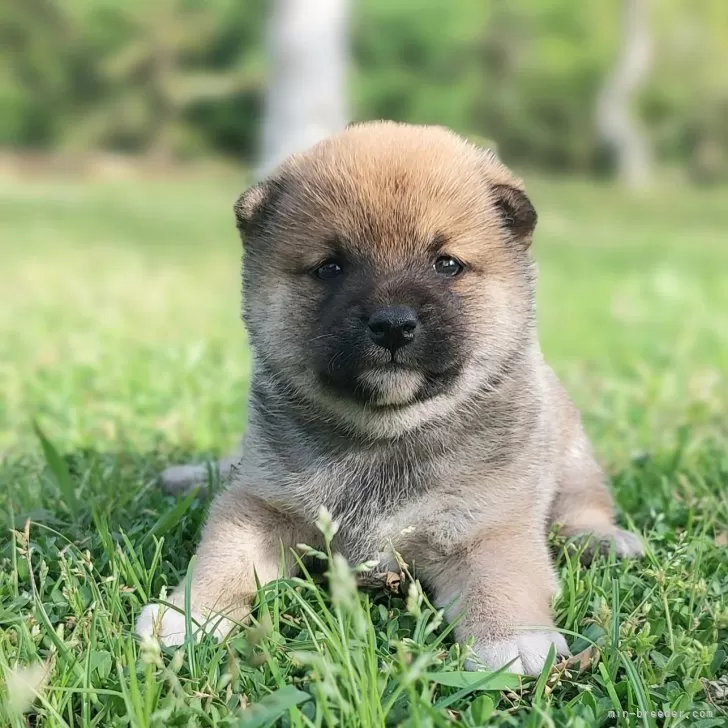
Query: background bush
x=188 y=75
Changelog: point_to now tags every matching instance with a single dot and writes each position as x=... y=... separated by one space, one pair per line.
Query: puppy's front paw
x=626 y=545
x=168 y=625
x=164 y=623
x=527 y=652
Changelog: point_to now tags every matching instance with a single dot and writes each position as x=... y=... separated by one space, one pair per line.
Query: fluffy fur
x=458 y=453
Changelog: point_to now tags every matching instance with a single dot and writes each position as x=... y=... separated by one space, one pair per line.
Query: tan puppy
x=398 y=381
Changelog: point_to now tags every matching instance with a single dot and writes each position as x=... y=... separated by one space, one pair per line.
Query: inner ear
x=255 y=206
x=516 y=211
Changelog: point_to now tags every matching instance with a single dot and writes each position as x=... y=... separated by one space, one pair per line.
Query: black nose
x=393 y=326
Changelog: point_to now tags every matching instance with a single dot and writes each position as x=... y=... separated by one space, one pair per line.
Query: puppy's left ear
x=517 y=213
x=509 y=199
x=254 y=207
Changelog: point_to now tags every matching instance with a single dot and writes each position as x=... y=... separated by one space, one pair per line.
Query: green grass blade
x=59 y=472
x=270 y=708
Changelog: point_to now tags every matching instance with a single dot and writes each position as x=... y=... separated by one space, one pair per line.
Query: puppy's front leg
x=243 y=537
x=502 y=585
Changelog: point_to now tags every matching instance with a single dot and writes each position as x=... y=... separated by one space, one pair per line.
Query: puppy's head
x=387 y=273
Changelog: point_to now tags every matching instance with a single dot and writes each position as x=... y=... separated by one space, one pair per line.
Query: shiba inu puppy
x=398 y=381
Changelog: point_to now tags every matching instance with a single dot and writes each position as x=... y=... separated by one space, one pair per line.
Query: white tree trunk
x=308 y=56
x=620 y=131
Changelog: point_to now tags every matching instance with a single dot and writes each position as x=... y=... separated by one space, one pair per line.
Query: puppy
x=398 y=381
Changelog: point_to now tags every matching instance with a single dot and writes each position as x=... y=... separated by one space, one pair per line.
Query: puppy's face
x=386 y=271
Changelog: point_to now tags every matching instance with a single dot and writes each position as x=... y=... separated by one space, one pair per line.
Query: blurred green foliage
x=186 y=77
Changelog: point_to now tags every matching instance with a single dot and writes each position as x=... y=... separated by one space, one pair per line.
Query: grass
x=120 y=337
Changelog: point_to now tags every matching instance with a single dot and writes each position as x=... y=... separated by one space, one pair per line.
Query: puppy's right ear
x=253 y=208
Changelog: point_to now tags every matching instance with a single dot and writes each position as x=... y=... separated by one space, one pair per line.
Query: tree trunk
x=617 y=126
x=306 y=97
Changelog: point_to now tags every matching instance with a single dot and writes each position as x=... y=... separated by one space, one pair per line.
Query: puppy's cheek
x=496 y=325
x=283 y=325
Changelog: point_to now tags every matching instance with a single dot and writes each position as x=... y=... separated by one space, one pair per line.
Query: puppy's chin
x=398 y=400
x=390 y=386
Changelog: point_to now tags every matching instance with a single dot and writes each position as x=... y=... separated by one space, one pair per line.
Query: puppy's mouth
x=391 y=385
x=377 y=379
x=393 y=365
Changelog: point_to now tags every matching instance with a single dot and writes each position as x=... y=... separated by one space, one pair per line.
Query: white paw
x=168 y=625
x=626 y=543
x=527 y=652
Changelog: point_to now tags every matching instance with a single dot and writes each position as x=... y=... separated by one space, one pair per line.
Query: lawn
x=120 y=336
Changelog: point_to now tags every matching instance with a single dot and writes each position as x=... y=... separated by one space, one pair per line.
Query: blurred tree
x=40 y=72
x=686 y=102
x=541 y=64
x=619 y=129
x=308 y=56
x=154 y=70
x=185 y=77
x=415 y=60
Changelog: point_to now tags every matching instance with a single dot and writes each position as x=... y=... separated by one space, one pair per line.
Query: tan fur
x=464 y=484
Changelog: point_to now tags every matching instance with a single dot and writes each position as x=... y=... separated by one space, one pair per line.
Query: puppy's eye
x=328 y=270
x=447 y=266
